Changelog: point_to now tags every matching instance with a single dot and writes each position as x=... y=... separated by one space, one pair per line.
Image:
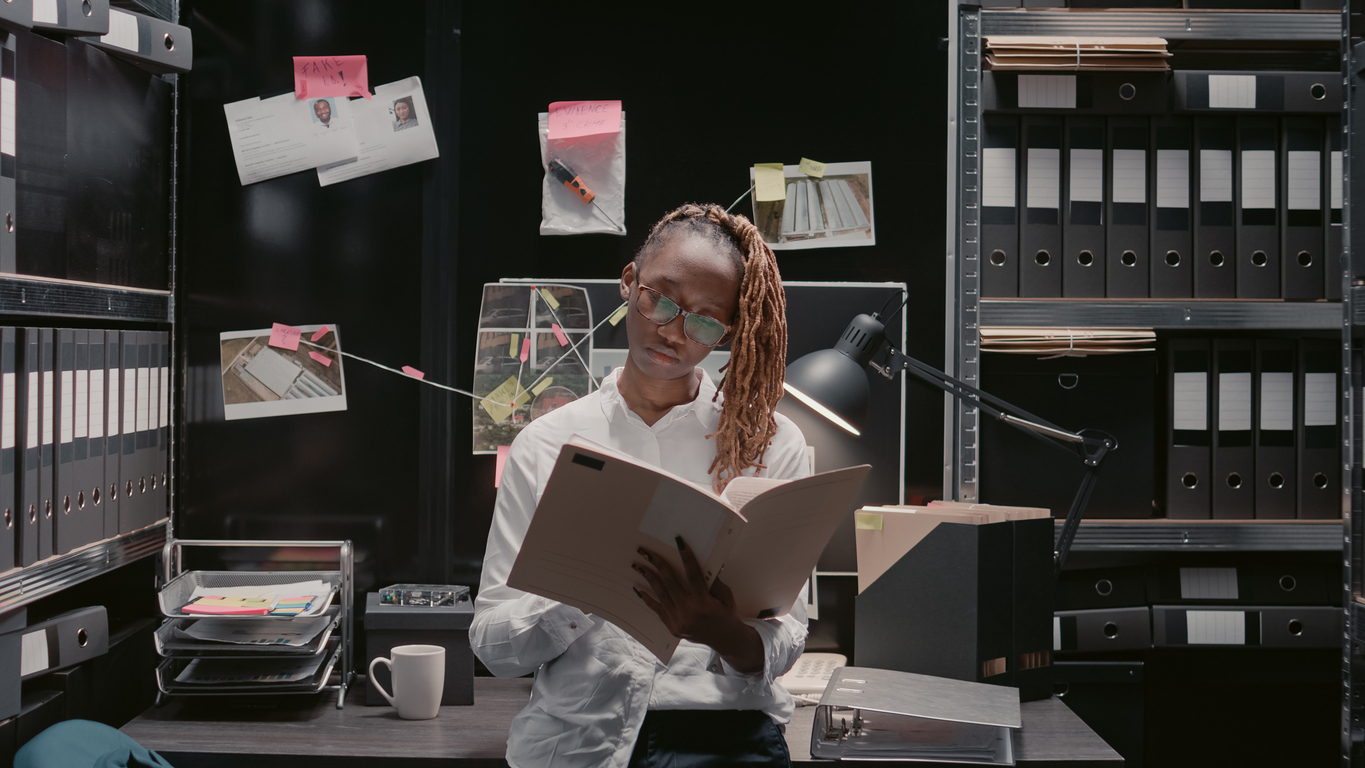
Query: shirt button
x=573 y=625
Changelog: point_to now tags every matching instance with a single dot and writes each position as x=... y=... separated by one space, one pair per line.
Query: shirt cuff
x=561 y=623
x=758 y=682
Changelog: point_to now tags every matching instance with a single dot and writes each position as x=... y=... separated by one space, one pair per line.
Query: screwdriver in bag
x=574 y=182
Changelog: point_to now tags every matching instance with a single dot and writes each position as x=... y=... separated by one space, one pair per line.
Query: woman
x=702 y=278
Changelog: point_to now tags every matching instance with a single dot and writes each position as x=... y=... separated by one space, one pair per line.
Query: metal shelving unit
x=1164 y=315
x=1205 y=536
x=66 y=298
x=21 y=586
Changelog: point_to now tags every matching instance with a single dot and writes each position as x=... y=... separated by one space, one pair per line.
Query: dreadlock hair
x=752 y=382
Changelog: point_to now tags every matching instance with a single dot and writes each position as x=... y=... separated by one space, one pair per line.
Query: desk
x=307 y=731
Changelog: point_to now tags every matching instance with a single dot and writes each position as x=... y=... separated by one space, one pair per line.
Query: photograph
x=828 y=212
x=260 y=380
x=404 y=114
x=322 y=112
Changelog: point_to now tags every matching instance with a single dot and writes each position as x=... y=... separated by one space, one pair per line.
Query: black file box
x=388 y=626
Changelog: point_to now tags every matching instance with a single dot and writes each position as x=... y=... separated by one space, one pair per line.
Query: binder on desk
x=148 y=42
x=999 y=208
x=9 y=501
x=71 y=17
x=29 y=459
x=1126 y=268
x=1332 y=197
x=1320 y=442
x=47 y=458
x=163 y=459
x=113 y=434
x=1302 y=263
x=1040 y=226
x=1233 y=456
x=1102 y=629
x=1083 y=215
x=1258 y=232
x=1275 y=430
x=65 y=521
x=1214 y=250
x=94 y=488
x=1197 y=91
x=130 y=508
x=1189 y=429
x=1171 y=258
x=1267 y=627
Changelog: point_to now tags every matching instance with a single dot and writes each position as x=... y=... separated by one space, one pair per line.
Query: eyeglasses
x=660 y=310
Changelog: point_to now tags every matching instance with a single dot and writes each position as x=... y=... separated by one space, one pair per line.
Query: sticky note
x=325 y=360
x=512 y=347
x=496 y=403
x=618 y=314
x=769 y=185
x=525 y=349
x=867 y=521
x=545 y=382
x=549 y=298
x=502 y=461
x=559 y=334
x=316 y=76
x=413 y=372
x=284 y=336
x=812 y=168
x=319 y=333
x=571 y=119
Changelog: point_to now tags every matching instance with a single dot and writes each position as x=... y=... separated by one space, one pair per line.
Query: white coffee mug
x=418 y=675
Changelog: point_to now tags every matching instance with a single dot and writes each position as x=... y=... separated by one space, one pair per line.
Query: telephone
x=811 y=673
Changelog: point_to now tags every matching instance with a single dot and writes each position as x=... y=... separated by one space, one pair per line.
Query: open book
x=762 y=537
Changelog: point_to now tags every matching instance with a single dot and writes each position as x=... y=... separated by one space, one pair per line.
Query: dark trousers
x=699 y=738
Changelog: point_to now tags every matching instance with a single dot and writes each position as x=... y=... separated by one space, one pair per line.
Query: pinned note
x=502 y=461
x=618 y=314
x=284 y=336
x=812 y=168
x=571 y=119
x=525 y=349
x=319 y=333
x=413 y=372
x=321 y=358
x=506 y=398
x=769 y=185
x=549 y=298
x=559 y=334
x=512 y=347
x=316 y=76
x=545 y=382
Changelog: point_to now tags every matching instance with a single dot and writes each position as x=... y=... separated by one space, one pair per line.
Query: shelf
x=1174 y=25
x=63 y=298
x=166 y=10
x=1162 y=315
x=1207 y=535
x=22 y=586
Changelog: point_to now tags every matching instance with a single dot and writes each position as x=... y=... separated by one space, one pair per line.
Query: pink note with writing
x=319 y=333
x=525 y=349
x=316 y=76
x=284 y=336
x=325 y=360
x=413 y=372
x=502 y=460
x=559 y=334
x=571 y=119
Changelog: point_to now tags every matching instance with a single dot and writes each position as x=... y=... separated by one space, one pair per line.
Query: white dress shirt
x=593 y=681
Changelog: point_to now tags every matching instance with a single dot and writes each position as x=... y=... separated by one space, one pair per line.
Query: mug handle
x=375 y=682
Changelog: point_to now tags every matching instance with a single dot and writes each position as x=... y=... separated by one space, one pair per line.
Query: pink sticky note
x=525 y=349
x=316 y=76
x=325 y=360
x=559 y=334
x=319 y=333
x=413 y=372
x=502 y=460
x=571 y=119
x=284 y=336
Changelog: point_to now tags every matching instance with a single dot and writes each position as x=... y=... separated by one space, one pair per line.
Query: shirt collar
x=702 y=408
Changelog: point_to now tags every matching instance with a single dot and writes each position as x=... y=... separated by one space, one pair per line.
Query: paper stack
x=1067 y=342
x=1075 y=53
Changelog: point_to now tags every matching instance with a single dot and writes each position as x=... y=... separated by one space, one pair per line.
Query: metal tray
x=168 y=669
x=177 y=592
x=169 y=645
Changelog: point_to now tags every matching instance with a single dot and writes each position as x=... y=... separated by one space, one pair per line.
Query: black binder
x=72 y=17
x=1171 y=262
x=10 y=519
x=47 y=456
x=113 y=434
x=1197 y=91
x=1040 y=231
x=1215 y=276
x=27 y=434
x=1031 y=606
x=999 y=206
x=1276 y=430
x=1126 y=268
x=1083 y=212
x=1233 y=456
x=149 y=484
x=1301 y=166
x=1285 y=582
x=95 y=487
x=1097 y=93
x=66 y=521
x=1189 y=429
x=130 y=507
x=163 y=461
x=1300 y=626
x=1258 y=232
x=8 y=162
x=41 y=194
x=1319 y=413
x=1102 y=629
x=1331 y=196
x=1121 y=587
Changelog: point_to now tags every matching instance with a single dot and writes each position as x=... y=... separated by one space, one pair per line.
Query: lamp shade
x=833 y=384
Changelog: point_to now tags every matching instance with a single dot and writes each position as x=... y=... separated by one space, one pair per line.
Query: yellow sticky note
x=509 y=391
x=547 y=381
x=769 y=185
x=549 y=298
x=812 y=168
x=867 y=521
x=618 y=314
x=513 y=347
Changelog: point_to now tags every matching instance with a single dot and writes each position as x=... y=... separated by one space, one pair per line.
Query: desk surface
x=302 y=731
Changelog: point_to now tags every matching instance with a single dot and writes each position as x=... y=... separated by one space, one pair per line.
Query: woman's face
x=401 y=110
x=697 y=278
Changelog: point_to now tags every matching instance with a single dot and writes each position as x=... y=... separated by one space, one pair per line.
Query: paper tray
x=168 y=669
x=177 y=593
x=168 y=645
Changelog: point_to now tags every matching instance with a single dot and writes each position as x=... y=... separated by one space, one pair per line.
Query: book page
x=742 y=490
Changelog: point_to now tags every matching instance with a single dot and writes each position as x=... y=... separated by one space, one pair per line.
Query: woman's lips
x=662 y=356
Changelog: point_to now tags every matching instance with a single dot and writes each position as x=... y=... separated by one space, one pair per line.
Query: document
x=294 y=634
x=283 y=135
x=393 y=129
x=600 y=507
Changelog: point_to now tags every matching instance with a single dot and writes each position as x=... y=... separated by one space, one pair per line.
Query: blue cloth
x=707 y=738
x=86 y=744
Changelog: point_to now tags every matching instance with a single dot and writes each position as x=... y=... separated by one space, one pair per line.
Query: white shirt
x=593 y=681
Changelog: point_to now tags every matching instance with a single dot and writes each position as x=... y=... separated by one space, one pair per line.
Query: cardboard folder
x=1083 y=244
x=999 y=206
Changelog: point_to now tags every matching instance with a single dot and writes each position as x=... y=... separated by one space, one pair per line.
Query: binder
x=92 y=520
x=1233 y=455
x=16 y=15
x=66 y=520
x=1265 y=627
x=1283 y=583
x=999 y=210
x=64 y=640
x=1258 y=232
x=1040 y=230
x=130 y=506
x=1275 y=430
x=94 y=487
x=1189 y=429
x=41 y=192
x=146 y=450
x=1101 y=588
x=1318 y=414
x=1215 y=276
x=1171 y=257
x=1332 y=197
x=12 y=520
x=163 y=460
x=47 y=457
x=1302 y=265
x=1102 y=629
x=71 y=17
x=1083 y=215
x=148 y=42
x=1199 y=91
x=8 y=162
x=113 y=434
x=1089 y=93
x=1126 y=268
x=150 y=484
x=27 y=428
